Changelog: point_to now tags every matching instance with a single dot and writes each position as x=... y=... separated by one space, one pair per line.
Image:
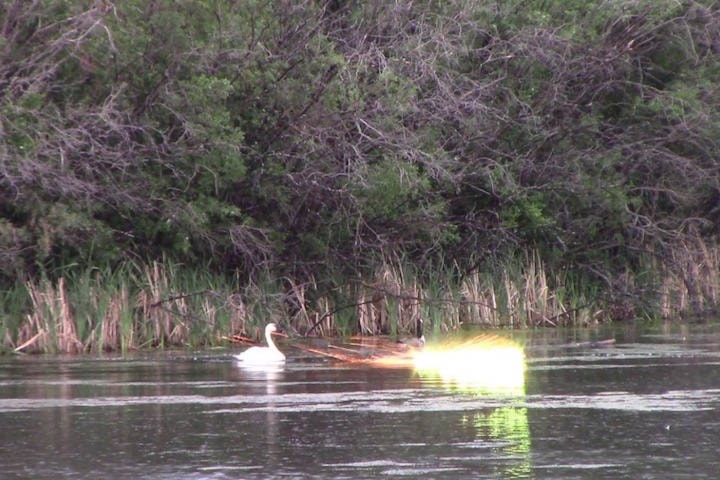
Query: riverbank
x=162 y=304
x=175 y=173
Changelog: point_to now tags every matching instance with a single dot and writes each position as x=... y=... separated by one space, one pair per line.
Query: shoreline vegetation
x=165 y=305
x=174 y=173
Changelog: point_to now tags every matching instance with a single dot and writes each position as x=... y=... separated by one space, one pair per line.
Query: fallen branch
x=29 y=342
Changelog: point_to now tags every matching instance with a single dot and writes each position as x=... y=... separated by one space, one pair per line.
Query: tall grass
x=395 y=296
x=159 y=305
x=689 y=281
x=166 y=305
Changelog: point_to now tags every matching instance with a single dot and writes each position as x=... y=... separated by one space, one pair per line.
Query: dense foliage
x=300 y=137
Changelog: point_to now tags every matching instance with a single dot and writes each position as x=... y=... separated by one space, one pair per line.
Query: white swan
x=263 y=355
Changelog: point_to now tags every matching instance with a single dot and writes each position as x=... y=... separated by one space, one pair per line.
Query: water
x=647 y=407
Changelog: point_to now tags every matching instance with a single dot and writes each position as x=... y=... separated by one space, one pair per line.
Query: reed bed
x=392 y=301
x=689 y=282
x=163 y=305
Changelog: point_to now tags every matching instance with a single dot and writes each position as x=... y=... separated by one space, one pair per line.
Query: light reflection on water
x=644 y=408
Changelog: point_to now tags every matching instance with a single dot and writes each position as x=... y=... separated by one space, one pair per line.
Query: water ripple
x=391 y=401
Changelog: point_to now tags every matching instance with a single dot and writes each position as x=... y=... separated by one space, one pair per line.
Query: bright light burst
x=478 y=367
x=483 y=364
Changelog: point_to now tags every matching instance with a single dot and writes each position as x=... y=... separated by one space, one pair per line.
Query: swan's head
x=274 y=328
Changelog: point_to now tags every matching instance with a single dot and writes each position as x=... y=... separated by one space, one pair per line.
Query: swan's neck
x=269 y=340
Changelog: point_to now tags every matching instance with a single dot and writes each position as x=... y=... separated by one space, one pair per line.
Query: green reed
x=165 y=305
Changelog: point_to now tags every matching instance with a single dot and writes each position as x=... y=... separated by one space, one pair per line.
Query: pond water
x=645 y=407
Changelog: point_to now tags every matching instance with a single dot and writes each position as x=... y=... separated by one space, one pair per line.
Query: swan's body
x=263 y=355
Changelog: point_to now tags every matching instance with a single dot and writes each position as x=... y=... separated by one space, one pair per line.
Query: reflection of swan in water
x=263 y=355
x=265 y=378
x=258 y=374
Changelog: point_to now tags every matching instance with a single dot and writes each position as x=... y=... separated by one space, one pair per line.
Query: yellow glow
x=477 y=367
x=509 y=425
